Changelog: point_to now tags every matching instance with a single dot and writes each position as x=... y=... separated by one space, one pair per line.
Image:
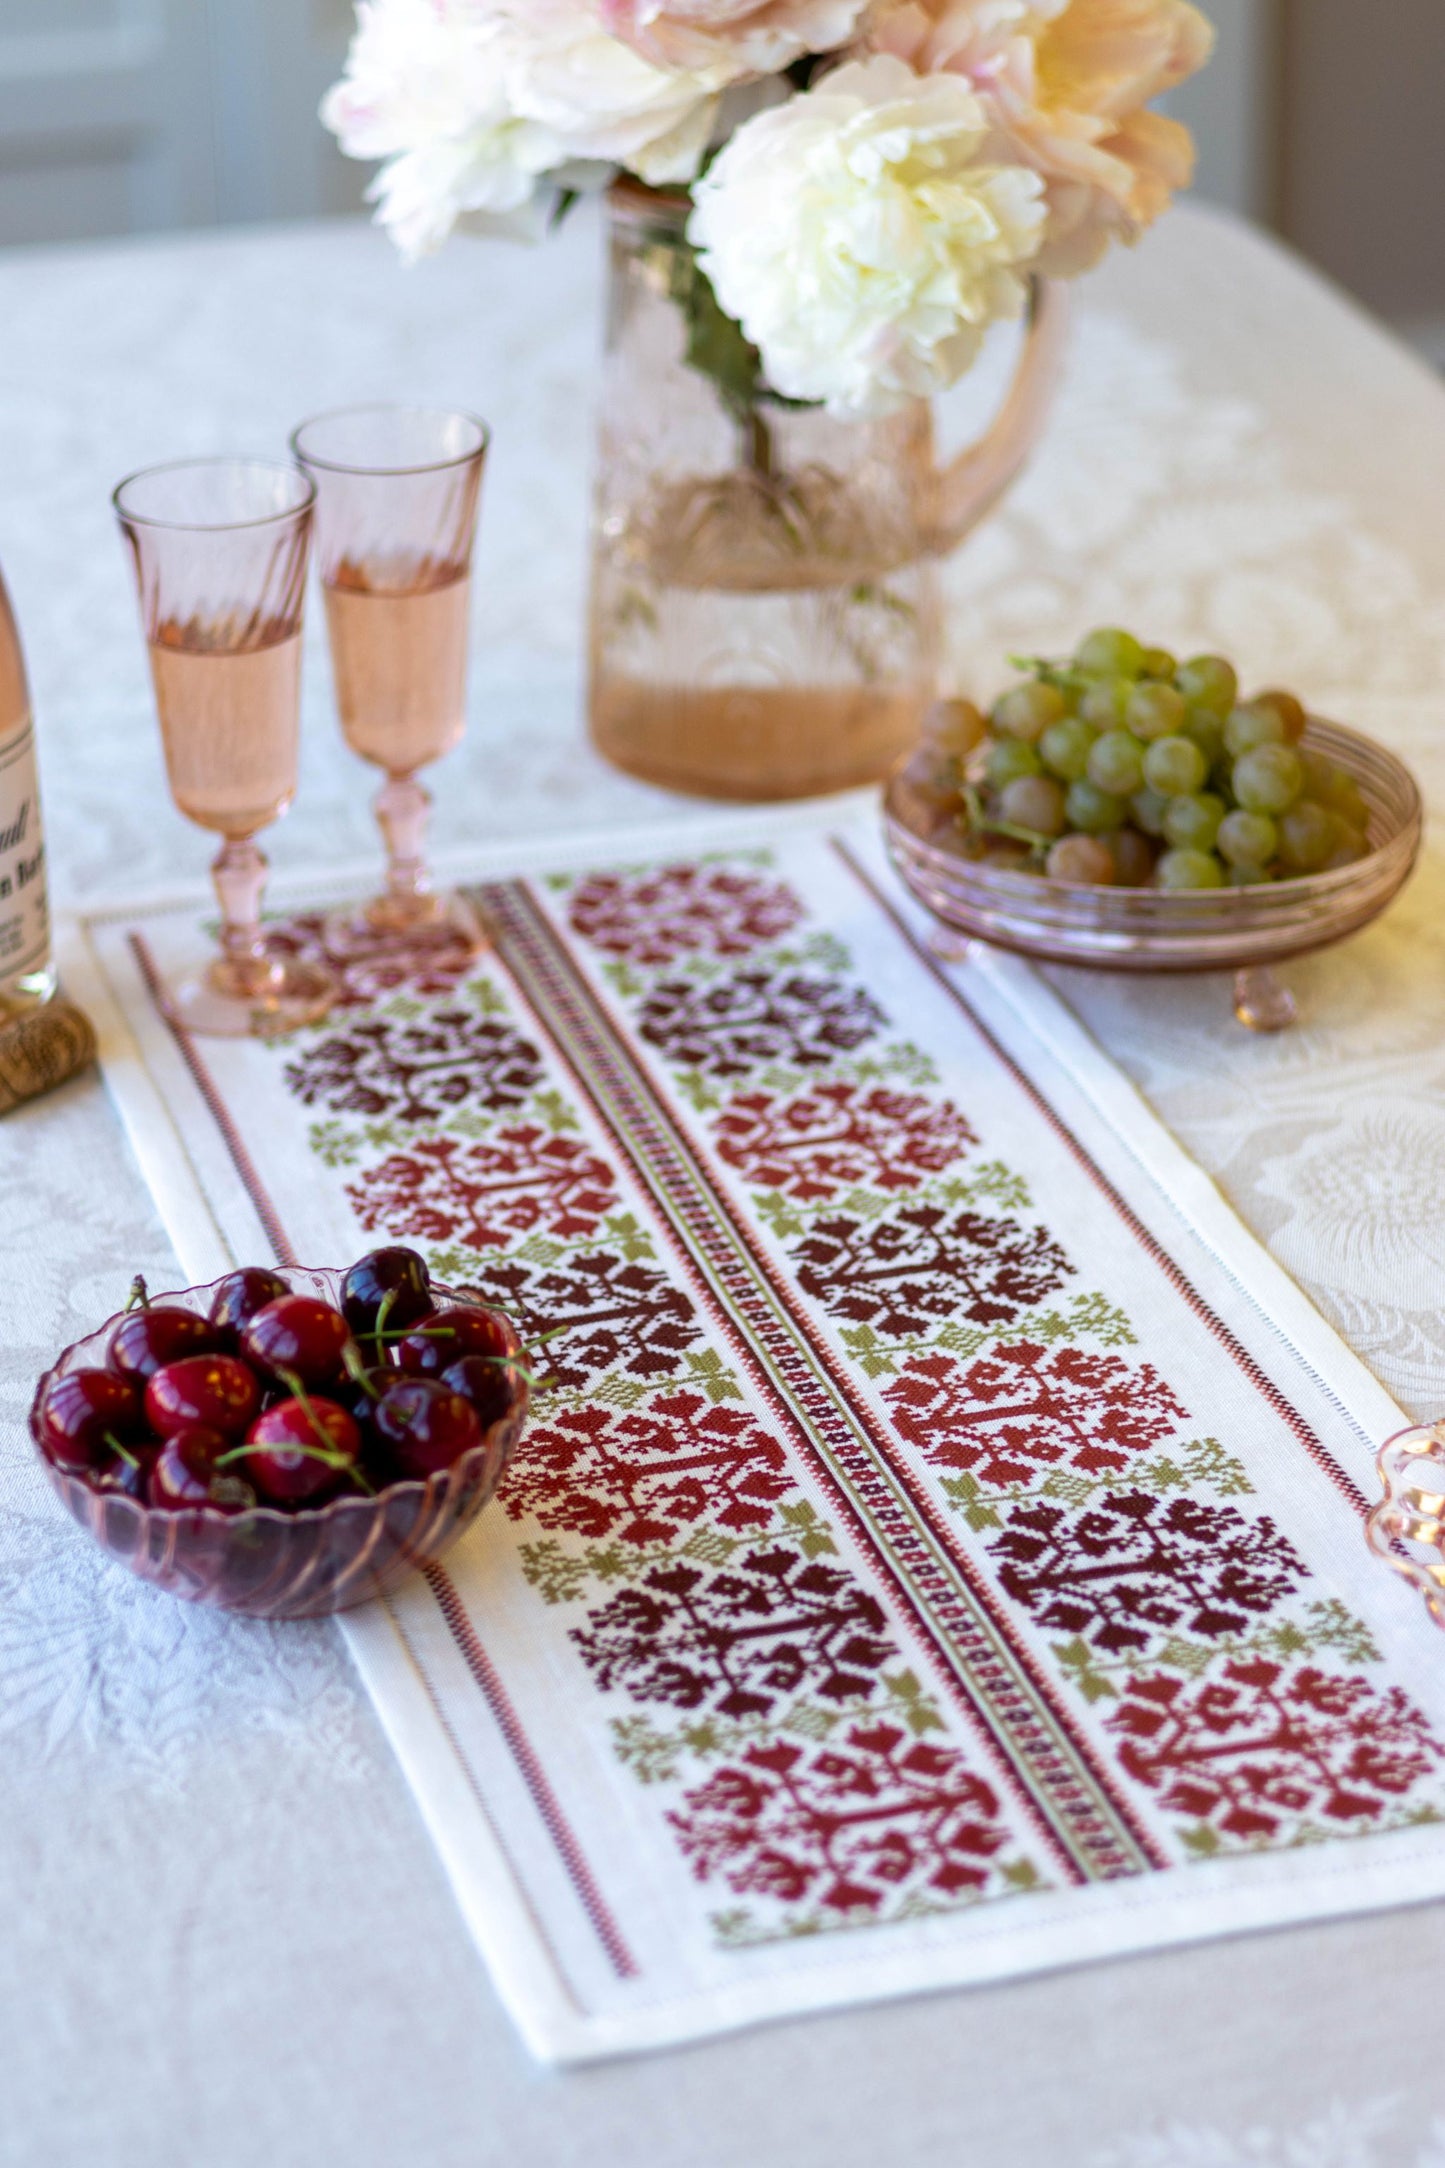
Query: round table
x=228 y=1939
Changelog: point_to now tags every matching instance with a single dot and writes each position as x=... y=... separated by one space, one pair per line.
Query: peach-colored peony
x=1066 y=84
x=752 y=37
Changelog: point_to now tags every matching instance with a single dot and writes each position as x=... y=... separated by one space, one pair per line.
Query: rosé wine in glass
x=228 y=716
x=220 y=550
x=399 y=655
x=397 y=495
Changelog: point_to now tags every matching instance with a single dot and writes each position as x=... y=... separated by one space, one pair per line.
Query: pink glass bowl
x=1407 y=1529
x=269 y=1564
x=1144 y=929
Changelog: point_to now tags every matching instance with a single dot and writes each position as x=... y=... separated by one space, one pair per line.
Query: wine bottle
x=27 y=964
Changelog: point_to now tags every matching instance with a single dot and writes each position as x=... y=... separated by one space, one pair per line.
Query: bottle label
x=24 y=908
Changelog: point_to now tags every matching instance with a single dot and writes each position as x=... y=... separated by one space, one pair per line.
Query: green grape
x=1033 y=802
x=1348 y=800
x=1321 y=776
x=1065 y=749
x=1008 y=759
x=1351 y=848
x=1094 y=810
x=1027 y=712
x=1175 y=766
x=1133 y=857
x=1251 y=726
x=1110 y=653
x=1308 y=836
x=1248 y=839
x=1159 y=663
x=1269 y=779
x=1105 y=702
x=1291 y=712
x=1189 y=869
x=1155 y=711
x=1209 y=682
x=955 y=726
x=1149 y=808
x=1247 y=876
x=1205 y=729
x=1192 y=823
x=1084 y=860
x=1116 y=764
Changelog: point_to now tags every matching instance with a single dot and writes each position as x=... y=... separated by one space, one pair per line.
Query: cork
x=40 y=1051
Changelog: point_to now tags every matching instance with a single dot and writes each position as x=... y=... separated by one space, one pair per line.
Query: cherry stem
x=384 y=1309
x=139 y=1296
x=329 y=1456
x=324 y=1452
x=357 y=1371
x=116 y=1447
x=292 y=1381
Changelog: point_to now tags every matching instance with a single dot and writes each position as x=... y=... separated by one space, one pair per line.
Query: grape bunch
x=1123 y=767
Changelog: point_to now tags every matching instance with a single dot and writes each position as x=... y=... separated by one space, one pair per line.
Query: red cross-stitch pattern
x=367 y=965
x=1261 y=1747
x=845 y=1828
x=521 y=1181
x=838 y=1136
x=601 y=1312
x=1133 y=1565
x=653 y=918
x=418 y=1072
x=755 y=1017
x=647 y=1476
x=927 y=1265
x=1011 y=1414
x=738 y=1640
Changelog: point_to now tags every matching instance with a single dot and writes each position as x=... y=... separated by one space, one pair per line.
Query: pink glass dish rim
x=1134 y=929
x=1407 y=1528
x=377 y=1555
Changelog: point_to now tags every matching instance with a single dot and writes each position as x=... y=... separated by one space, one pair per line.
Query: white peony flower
x=476 y=105
x=860 y=239
x=753 y=37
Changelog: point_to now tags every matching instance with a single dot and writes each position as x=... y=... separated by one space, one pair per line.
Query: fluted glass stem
x=403 y=813
x=243 y=970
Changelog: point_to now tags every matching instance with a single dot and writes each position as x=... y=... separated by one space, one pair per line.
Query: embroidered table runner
x=939 y=1555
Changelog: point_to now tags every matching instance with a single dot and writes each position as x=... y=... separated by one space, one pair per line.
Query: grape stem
x=983 y=824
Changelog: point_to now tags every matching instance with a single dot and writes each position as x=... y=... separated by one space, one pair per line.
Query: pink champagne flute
x=398 y=490
x=220 y=549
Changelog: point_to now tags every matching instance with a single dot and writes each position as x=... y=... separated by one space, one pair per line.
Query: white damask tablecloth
x=225 y=1937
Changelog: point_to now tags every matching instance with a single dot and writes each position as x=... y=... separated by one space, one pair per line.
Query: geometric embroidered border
x=895 y=1556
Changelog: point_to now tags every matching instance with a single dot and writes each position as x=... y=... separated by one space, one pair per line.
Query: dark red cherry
x=126 y=1474
x=216 y=1391
x=447 y=1336
x=360 y=1398
x=185 y=1473
x=82 y=1412
x=240 y=1295
x=397 y=1279
x=146 y=1340
x=297 y=1337
x=422 y=1427
x=487 y=1385
x=302 y=1451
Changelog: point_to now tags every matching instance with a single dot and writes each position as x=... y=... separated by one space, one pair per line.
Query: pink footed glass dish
x=267 y=1563
x=1407 y=1528
x=1243 y=930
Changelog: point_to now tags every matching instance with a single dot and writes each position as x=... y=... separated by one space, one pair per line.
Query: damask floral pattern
x=814 y=1774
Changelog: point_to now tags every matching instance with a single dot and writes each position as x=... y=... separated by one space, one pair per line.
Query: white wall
x=1232 y=107
x=120 y=116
